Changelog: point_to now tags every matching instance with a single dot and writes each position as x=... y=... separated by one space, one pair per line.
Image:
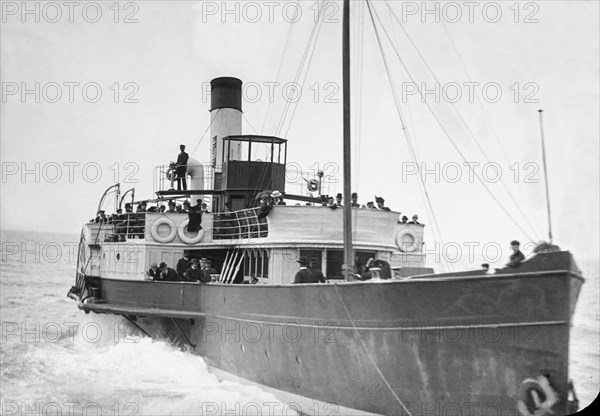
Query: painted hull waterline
x=464 y=343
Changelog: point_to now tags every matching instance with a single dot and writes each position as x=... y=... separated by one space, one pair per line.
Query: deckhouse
x=241 y=168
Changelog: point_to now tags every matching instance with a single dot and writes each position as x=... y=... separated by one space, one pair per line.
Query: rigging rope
x=460 y=117
x=422 y=186
x=205 y=131
x=312 y=52
x=445 y=131
x=315 y=30
x=491 y=125
x=383 y=378
x=285 y=47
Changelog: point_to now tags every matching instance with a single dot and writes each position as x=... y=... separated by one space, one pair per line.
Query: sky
x=95 y=93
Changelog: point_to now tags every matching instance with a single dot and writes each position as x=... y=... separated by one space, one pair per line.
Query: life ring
x=312 y=185
x=402 y=243
x=537 y=397
x=189 y=240
x=171 y=174
x=158 y=223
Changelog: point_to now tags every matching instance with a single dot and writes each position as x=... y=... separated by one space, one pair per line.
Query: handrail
x=116 y=185
x=238 y=225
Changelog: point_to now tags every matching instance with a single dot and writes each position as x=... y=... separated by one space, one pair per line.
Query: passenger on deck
x=207 y=270
x=331 y=203
x=415 y=220
x=124 y=227
x=162 y=209
x=338 y=199
x=115 y=218
x=186 y=206
x=167 y=273
x=264 y=208
x=183 y=264
x=154 y=273
x=141 y=207
x=193 y=273
x=355 y=203
x=204 y=208
x=195 y=217
x=314 y=268
x=171 y=206
x=277 y=198
x=100 y=217
x=381 y=204
x=516 y=257
x=303 y=275
x=385 y=269
x=404 y=219
x=179 y=209
x=182 y=159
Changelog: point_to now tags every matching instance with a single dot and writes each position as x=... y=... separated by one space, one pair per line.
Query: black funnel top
x=226 y=92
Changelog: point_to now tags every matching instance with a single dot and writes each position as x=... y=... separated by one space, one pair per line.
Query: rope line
x=368 y=352
x=447 y=134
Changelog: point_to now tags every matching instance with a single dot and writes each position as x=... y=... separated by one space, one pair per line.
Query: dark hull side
x=451 y=345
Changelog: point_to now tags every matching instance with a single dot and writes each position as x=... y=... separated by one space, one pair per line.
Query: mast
x=348 y=252
x=546 y=178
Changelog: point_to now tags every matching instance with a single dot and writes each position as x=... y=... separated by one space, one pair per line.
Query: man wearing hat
x=171 y=206
x=181 y=170
x=154 y=273
x=193 y=274
x=516 y=257
x=100 y=217
x=355 y=203
x=183 y=264
x=207 y=270
x=303 y=275
x=380 y=203
x=415 y=220
x=277 y=198
x=338 y=199
x=317 y=274
x=195 y=216
x=167 y=273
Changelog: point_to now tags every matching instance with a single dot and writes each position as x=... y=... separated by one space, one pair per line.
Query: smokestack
x=225 y=117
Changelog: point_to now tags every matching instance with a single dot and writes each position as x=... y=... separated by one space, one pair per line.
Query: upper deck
x=284 y=225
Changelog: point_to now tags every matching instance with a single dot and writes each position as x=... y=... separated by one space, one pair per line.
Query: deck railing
x=239 y=225
x=119 y=227
x=296 y=179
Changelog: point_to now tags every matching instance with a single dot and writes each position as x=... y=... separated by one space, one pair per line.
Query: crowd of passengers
x=202 y=271
x=268 y=200
x=132 y=224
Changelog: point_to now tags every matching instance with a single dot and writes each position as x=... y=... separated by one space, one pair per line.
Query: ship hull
x=457 y=344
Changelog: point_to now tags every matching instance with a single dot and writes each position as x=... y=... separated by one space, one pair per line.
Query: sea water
x=55 y=359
